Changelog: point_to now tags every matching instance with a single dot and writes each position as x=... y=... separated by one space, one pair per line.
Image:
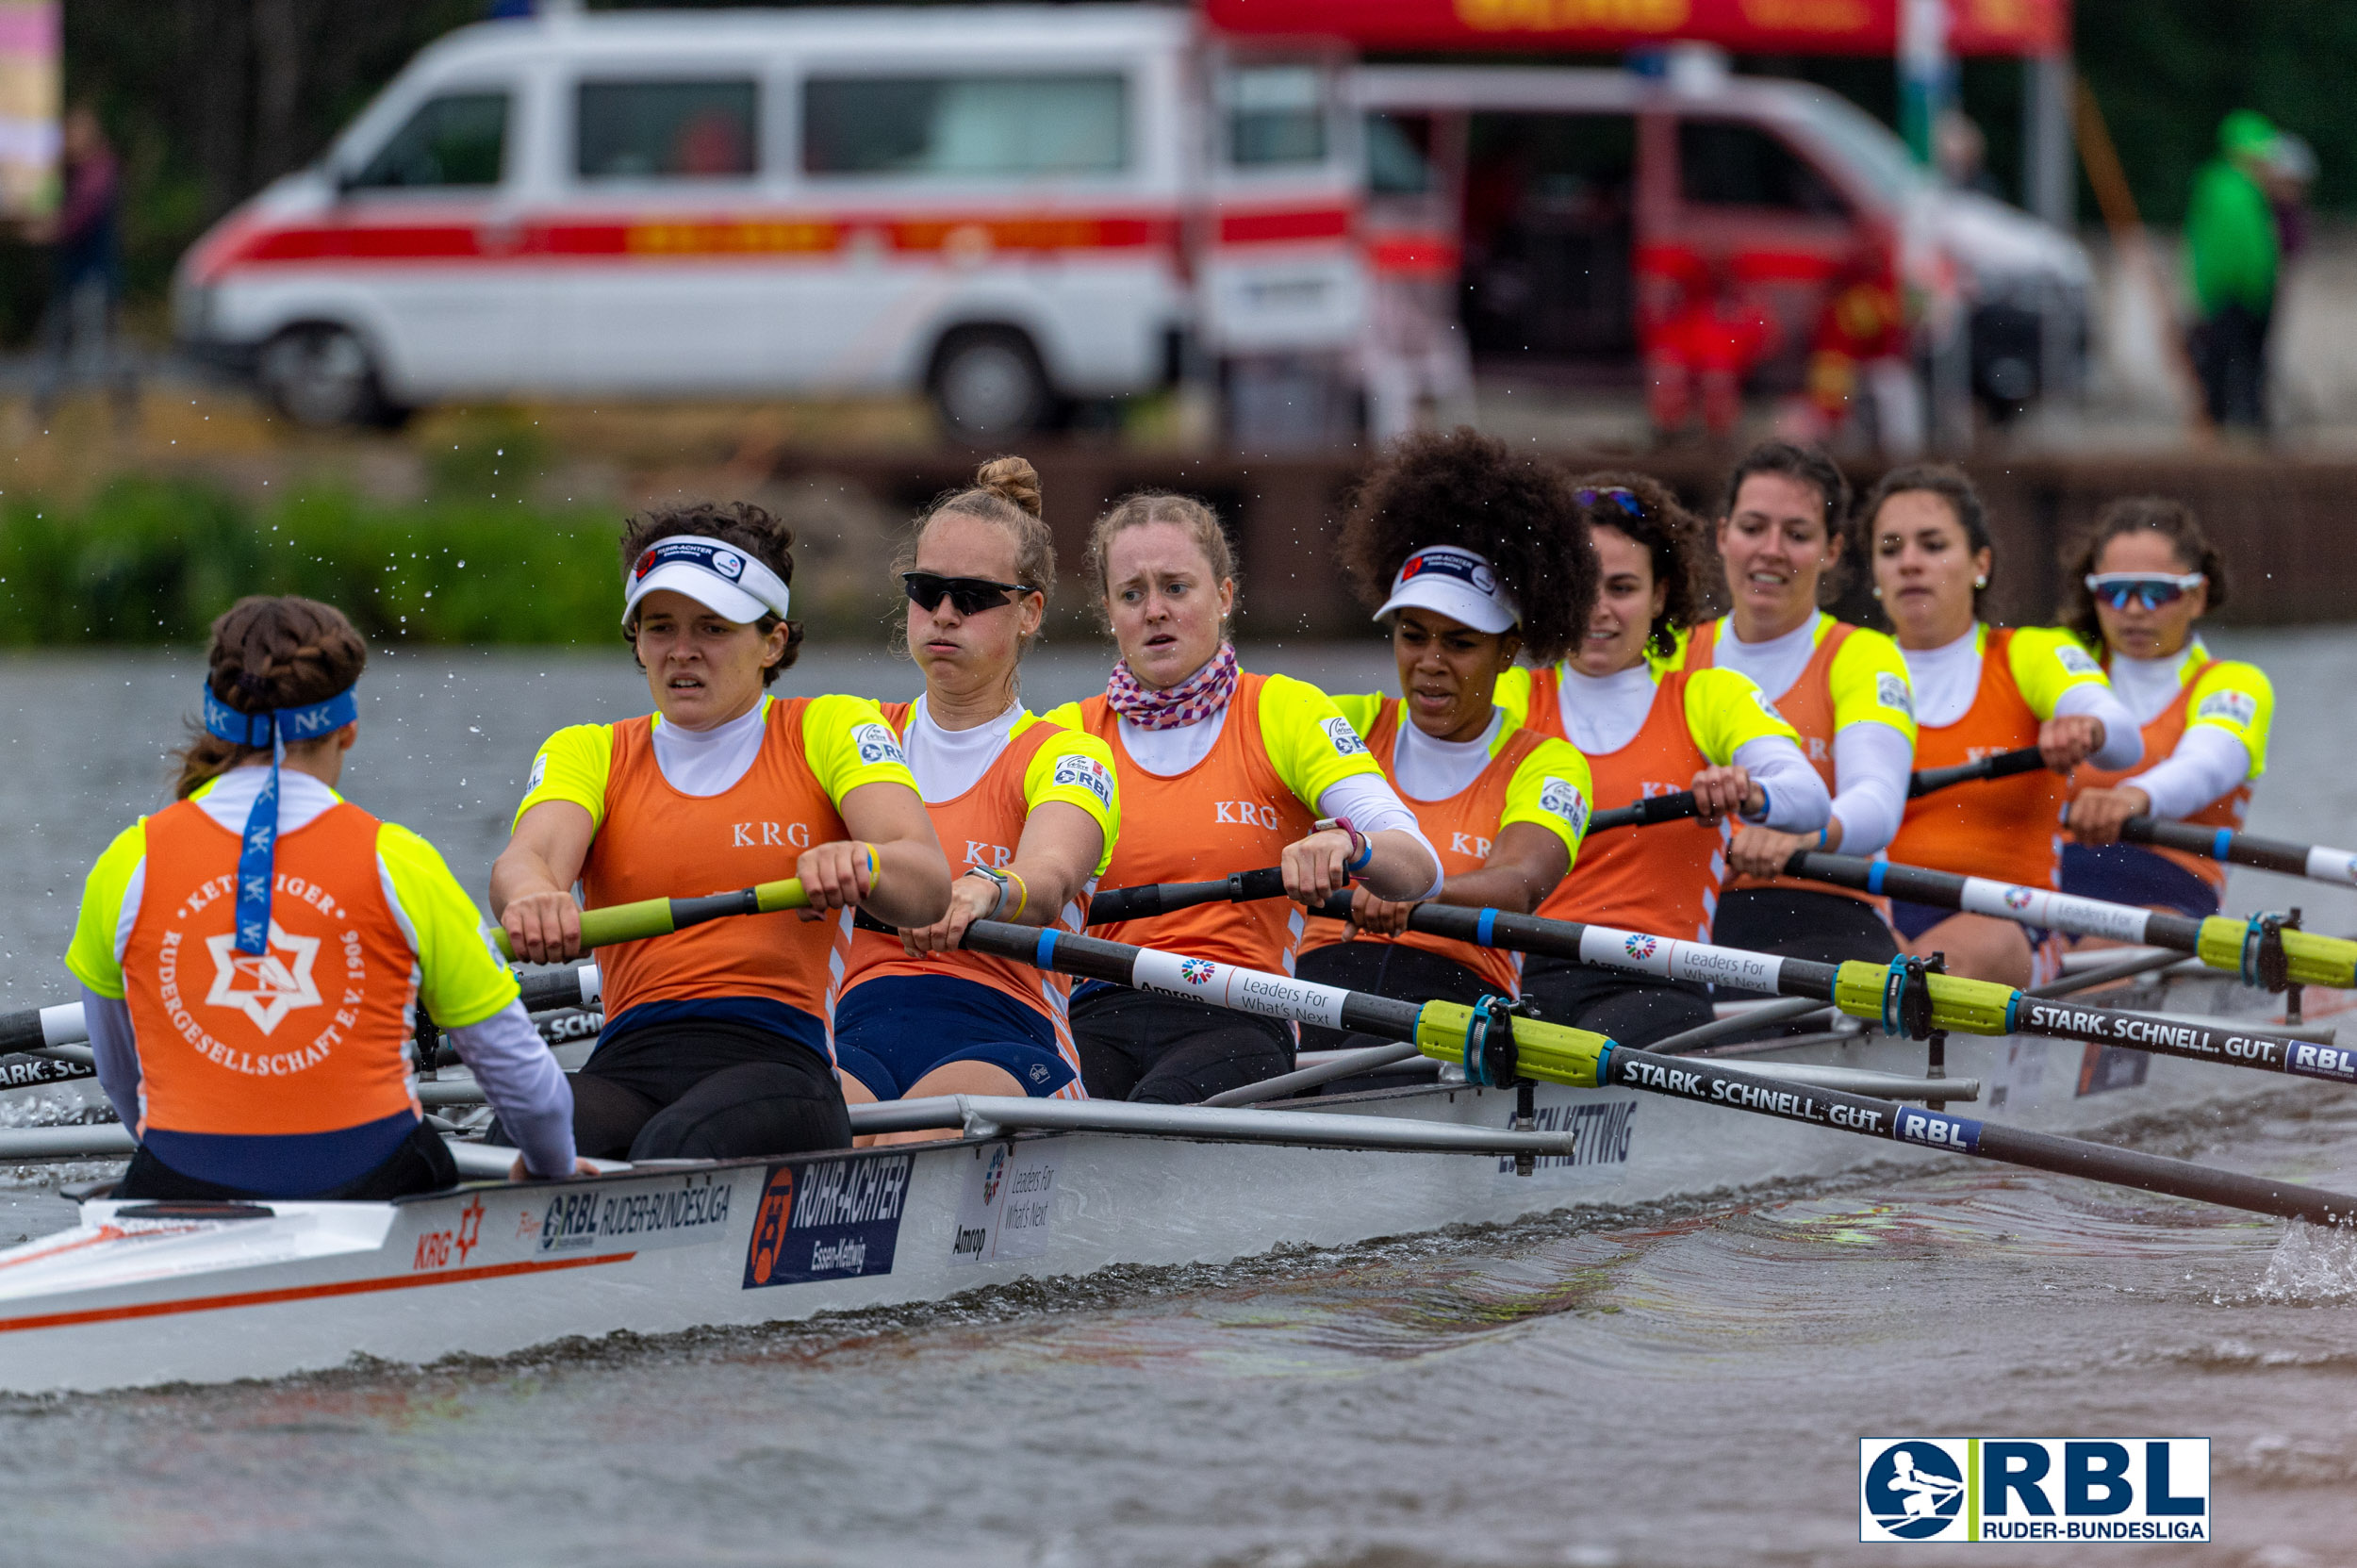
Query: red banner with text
x=1747 y=26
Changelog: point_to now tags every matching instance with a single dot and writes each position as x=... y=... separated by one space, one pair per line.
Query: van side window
x=459 y=138
x=1399 y=153
x=677 y=131
x=1038 y=124
x=1276 y=114
x=1732 y=164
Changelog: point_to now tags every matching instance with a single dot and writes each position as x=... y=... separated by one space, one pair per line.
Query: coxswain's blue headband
x=273 y=728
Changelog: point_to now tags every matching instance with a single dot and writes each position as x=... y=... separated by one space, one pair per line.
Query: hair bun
x=1011 y=479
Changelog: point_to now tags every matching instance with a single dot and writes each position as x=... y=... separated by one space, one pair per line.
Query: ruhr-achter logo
x=268 y=985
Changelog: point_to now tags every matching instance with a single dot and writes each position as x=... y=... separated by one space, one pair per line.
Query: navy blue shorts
x=1912 y=920
x=892 y=1031
x=2130 y=874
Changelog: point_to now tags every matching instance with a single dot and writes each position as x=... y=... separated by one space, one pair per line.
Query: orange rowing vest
x=987 y=823
x=1808 y=709
x=1462 y=830
x=2006 y=829
x=1228 y=813
x=312 y=1036
x=658 y=843
x=1663 y=880
x=2161 y=736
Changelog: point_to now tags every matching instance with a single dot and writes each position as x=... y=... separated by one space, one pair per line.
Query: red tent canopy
x=1750 y=27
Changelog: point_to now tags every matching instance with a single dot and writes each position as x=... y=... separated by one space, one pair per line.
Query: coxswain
x=1221 y=771
x=1979 y=690
x=251 y=956
x=2136 y=584
x=1648 y=726
x=717 y=1040
x=1027 y=809
x=1471 y=557
x=1843 y=687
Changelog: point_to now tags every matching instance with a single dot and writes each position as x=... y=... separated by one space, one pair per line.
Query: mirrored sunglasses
x=2118 y=589
x=1618 y=495
x=969 y=595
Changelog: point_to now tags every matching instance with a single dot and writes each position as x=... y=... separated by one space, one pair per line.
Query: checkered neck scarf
x=1192 y=700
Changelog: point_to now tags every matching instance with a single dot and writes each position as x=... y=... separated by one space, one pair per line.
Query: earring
x=1980 y=582
x=1878 y=590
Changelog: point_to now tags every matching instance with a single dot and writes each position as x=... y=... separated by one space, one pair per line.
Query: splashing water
x=2312 y=1264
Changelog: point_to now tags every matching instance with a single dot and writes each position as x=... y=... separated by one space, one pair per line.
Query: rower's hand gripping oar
x=1905 y=997
x=2314 y=861
x=1498 y=1048
x=1677 y=806
x=603 y=928
x=2267 y=951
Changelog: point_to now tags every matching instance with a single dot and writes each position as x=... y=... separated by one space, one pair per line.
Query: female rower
x=1473 y=556
x=1027 y=808
x=2137 y=584
x=1981 y=690
x=717 y=1038
x=1651 y=727
x=1221 y=771
x=1843 y=687
x=252 y=955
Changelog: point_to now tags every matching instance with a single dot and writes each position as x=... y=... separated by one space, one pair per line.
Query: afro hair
x=1466 y=489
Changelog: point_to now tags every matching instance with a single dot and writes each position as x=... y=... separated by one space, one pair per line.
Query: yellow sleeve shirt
x=1553 y=787
x=461 y=980
x=2237 y=698
x=1076 y=769
x=1724 y=710
x=2046 y=662
x=1309 y=743
x=1869 y=683
x=845 y=739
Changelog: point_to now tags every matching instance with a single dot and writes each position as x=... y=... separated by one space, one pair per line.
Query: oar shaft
x=1151 y=899
x=603 y=928
x=2312 y=861
x=1690 y=1078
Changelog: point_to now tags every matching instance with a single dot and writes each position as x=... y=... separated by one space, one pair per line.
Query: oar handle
x=2338 y=866
x=2004 y=765
x=1644 y=814
x=603 y=928
x=1147 y=900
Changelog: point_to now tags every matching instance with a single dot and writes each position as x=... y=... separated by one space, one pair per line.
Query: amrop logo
x=2007 y=1489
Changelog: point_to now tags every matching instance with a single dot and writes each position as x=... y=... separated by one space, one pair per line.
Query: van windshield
x=1031 y=124
x=459 y=138
x=1864 y=144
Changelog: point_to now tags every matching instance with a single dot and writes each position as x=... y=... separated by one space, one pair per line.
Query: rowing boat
x=143 y=1292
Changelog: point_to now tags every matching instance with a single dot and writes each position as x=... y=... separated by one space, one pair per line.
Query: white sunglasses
x=2155 y=590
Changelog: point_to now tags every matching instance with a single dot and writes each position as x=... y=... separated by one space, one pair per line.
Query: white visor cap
x=1457 y=583
x=715 y=575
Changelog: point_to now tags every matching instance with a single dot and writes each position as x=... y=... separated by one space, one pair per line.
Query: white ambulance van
x=1008 y=208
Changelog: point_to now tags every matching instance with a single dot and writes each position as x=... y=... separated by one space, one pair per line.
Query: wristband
x=1021 y=887
x=1362 y=847
x=871 y=869
x=997 y=879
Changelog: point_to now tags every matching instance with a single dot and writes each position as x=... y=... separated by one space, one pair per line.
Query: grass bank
x=153 y=561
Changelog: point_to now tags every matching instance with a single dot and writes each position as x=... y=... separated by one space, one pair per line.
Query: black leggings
x=1635 y=1010
x=1387 y=969
x=701 y=1089
x=1167 y=1051
x=422 y=1164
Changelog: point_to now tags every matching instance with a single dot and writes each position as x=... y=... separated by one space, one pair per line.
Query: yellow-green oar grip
x=1965 y=1006
x=1550 y=1052
x=603 y=928
x=2311 y=957
x=1857 y=989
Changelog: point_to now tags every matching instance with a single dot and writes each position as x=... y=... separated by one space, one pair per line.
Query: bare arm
x=912 y=880
x=1525 y=863
x=1060 y=848
x=532 y=881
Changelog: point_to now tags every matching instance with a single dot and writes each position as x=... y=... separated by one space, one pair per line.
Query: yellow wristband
x=871 y=869
x=1021 y=887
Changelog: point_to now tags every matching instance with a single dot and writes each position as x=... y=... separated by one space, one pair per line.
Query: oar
x=1672 y=808
x=603 y=928
x=2262 y=949
x=2312 y=861
x=1497 y=1048
x=1160 y=897
x=1904 y=996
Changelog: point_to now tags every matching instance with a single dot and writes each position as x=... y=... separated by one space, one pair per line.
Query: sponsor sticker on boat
x=1008 y=1205
x=828 y=1219
x=1602 y=1131
x=635 y=1216
x=1271 y=996
x=2079 y=1490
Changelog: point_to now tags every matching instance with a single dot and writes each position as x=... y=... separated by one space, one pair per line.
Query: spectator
x=86 y=269
x=1962 y=153
x=2234 y=253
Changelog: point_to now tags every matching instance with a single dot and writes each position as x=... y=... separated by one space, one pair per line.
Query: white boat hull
x=144 y=1294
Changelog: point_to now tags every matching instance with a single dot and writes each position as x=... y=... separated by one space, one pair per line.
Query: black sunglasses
x=969 y=595
x=1619 y=496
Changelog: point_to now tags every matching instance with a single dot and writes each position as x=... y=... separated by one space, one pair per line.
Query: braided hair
x=1467 y=490
x=270 y=652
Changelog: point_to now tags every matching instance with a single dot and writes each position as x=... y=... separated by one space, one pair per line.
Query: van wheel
x=987 y=385
x=322 y=377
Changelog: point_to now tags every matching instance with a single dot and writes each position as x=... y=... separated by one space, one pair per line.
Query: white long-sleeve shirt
x=1872 y=763
x=1603 y=713
x=2208 y=760
x=1946 y=679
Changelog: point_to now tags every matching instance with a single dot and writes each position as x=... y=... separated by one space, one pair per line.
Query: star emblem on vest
x=268 y=985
